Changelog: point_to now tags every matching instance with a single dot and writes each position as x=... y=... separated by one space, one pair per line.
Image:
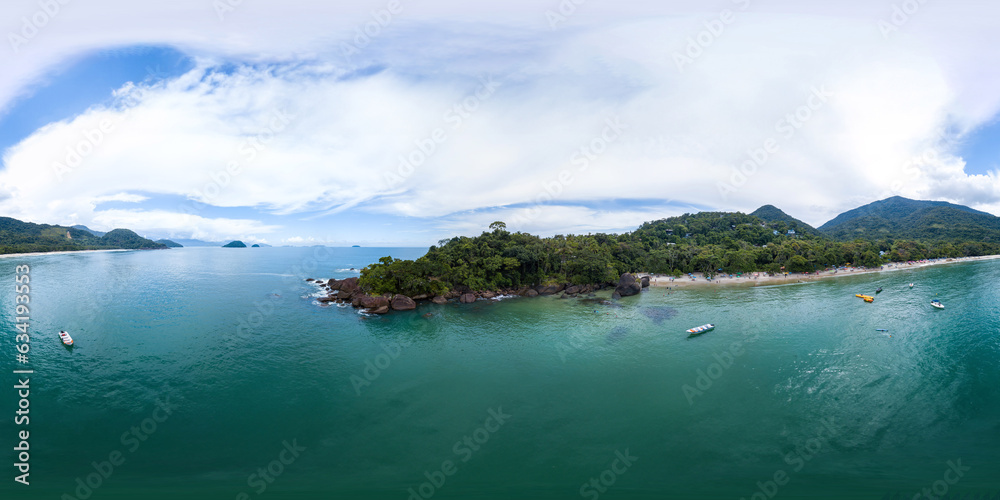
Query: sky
x=401 y=123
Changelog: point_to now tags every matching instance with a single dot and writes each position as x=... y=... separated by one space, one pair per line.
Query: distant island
x=255 y=246
x=235 y=244
x=170 y=244
x=712 y=243
x=26 y=237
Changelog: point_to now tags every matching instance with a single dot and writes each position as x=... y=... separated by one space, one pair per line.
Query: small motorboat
x=698 y=330
x=66 y=339
x=937 y=304
x=881 y=329
x=866 y=298
x=879 y=290
x=911 y=285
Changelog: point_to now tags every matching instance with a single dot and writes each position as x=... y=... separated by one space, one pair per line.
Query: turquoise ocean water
x=210 y=373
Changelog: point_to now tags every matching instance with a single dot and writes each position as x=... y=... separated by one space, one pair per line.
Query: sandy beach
x=762 y=279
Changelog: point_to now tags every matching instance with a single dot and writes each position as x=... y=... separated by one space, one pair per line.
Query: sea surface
x=213 y=373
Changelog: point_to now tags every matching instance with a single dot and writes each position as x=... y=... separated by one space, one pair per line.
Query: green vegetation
x=22 y=237
x=771 y=213
x=235 y=244
x=170 y=243
x=902 y=218
x=709 y=242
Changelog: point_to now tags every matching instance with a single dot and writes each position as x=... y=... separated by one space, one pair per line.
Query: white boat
x=66 y=339
x=937 y=303
x=701 y=329
x=911 y=285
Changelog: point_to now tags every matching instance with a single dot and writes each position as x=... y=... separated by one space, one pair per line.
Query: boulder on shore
x=645 y=281
x=627 y=286
x=467 y=298
x=403 y=303
x=439 y=300
x=531 y=293
x=489 y=295
x=380 y=310
x=368 y=302
x=573 y=290
x=349 y=285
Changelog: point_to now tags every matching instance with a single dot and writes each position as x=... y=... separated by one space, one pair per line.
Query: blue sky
x=289 y=125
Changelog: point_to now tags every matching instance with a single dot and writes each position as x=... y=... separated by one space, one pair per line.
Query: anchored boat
x=698 y=330
x=66 y=339
x=937 y=304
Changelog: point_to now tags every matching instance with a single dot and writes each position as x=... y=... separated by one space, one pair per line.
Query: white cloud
x=331 y=139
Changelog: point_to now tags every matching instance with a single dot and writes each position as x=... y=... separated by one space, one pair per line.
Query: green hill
x=903 y=218
x=20 y=237
x=772 y=214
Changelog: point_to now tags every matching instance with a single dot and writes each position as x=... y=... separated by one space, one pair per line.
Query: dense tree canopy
x=709 y=242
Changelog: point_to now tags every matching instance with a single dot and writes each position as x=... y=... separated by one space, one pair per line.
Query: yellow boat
x=867 y=298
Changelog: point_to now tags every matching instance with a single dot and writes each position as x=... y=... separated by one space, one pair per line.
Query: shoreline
x=762 y=279
x=60 y=252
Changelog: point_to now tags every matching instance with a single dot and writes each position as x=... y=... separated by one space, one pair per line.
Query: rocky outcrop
x=627 y=286
x=573 y=290
x=403 y=303
x=488 y=295
x=439 y=300
x=368 y=302
x=467 y=298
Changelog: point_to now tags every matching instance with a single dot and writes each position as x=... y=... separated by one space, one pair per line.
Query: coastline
x=60 y=252
x=761 y=279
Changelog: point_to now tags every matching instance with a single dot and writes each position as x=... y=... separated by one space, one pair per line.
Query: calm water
x=814 y=394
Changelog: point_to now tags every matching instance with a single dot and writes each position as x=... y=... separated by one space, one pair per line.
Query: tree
x=498 y=226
